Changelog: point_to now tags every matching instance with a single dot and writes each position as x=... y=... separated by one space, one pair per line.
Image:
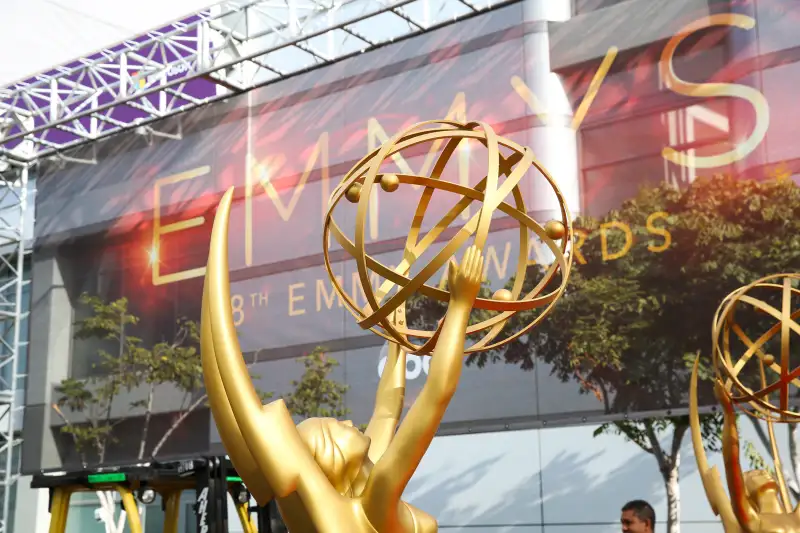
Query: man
x=637 y=517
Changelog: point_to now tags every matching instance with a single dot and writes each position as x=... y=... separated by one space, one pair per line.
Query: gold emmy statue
x=325 y=475
x=357 y=187
x=758 y=502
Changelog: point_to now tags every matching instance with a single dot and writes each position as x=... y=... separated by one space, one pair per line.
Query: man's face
x=632 y=524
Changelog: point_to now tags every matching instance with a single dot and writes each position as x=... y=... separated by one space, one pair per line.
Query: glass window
x=587 y=6
x=606 y=187
x=81 y=519
x=153 y=517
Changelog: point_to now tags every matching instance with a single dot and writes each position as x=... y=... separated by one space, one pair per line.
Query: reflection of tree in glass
x=625 y=328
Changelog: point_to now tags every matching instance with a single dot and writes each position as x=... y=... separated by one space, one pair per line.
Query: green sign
x=112 y=477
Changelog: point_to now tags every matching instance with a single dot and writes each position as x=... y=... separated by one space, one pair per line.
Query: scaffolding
x=224 y=50
x=13 y=249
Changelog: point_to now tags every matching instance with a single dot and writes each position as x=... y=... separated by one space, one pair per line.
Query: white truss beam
x=229 y=48
x=13 y=202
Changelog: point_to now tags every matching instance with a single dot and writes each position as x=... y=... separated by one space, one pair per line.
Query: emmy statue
x=326 y=475
x=757 y=501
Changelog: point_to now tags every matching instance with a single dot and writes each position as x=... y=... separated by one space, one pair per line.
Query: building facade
x=583 y=83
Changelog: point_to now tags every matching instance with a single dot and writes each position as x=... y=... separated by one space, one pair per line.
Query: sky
x=39 y=34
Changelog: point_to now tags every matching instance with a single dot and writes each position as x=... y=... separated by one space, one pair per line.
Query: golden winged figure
x=327 y=476
x=757 y=502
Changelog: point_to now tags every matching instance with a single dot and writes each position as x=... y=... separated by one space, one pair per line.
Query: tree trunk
x=673 y=488
x=107 y=507
x=669 y=462
x=178 y=422
x=147 y=416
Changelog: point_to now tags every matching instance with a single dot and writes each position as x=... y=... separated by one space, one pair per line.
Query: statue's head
x=762 y=491
x=338 y=447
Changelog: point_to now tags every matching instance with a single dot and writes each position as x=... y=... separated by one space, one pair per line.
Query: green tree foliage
x=626 y=327
x=130 y=366
x=125 y=364
x=315 y=394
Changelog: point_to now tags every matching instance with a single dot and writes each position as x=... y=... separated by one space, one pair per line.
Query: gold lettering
x=708 y=90
x=524 y=92
x=268 y=170
x=237 y=304
x=580 y=236
x=604 y=239
x=263 y=299
x=159 y=229
x=491 y=257
x=295 y=298
x=376 y=136
x=658 y=231
x=533 y=246
x=327 y=297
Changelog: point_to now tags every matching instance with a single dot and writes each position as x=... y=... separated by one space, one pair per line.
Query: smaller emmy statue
x=327 y=476
x=758 y=502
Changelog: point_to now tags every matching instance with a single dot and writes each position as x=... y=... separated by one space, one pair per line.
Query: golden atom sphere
x=353 y=193
x=755 y=378
x=503 y=295
x=555 y=230
x=506 y=159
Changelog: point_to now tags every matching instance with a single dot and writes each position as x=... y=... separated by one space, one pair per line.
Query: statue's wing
x=712 y=482
x=229 y=430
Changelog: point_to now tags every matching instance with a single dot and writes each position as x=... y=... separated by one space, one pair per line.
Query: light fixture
x=240 y=493
x=146 y=495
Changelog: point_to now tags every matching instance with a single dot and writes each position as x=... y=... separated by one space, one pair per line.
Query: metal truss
x=13 y=311
x=227 y=49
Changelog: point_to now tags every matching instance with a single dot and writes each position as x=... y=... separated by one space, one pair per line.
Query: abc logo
x=415 y=364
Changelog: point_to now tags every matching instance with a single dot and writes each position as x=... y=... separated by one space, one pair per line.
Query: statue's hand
x=464 y=280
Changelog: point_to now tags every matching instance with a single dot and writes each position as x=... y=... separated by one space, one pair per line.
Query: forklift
x=211 y=478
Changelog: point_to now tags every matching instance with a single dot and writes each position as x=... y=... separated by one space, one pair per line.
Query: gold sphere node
x=555 y=229
x=503 y=295
x=353 y=193
x=499 y=191
x=390 y=182
x=759 y=382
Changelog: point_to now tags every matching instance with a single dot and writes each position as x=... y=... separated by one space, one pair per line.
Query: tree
x=632 y=317
x=315 y=394
x=175 y=362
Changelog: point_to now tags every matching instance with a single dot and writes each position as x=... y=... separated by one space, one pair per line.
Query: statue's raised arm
x=389 y=398
x=388 y=403
x=393 y=471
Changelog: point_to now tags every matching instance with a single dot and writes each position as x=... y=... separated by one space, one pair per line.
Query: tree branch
x=656 y=446
x=677 y=440
x=178 y=422
x=633 y=438
x=147 y=417
x=61 y=415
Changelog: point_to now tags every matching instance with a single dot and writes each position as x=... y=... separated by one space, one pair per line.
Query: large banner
x=132 y=217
